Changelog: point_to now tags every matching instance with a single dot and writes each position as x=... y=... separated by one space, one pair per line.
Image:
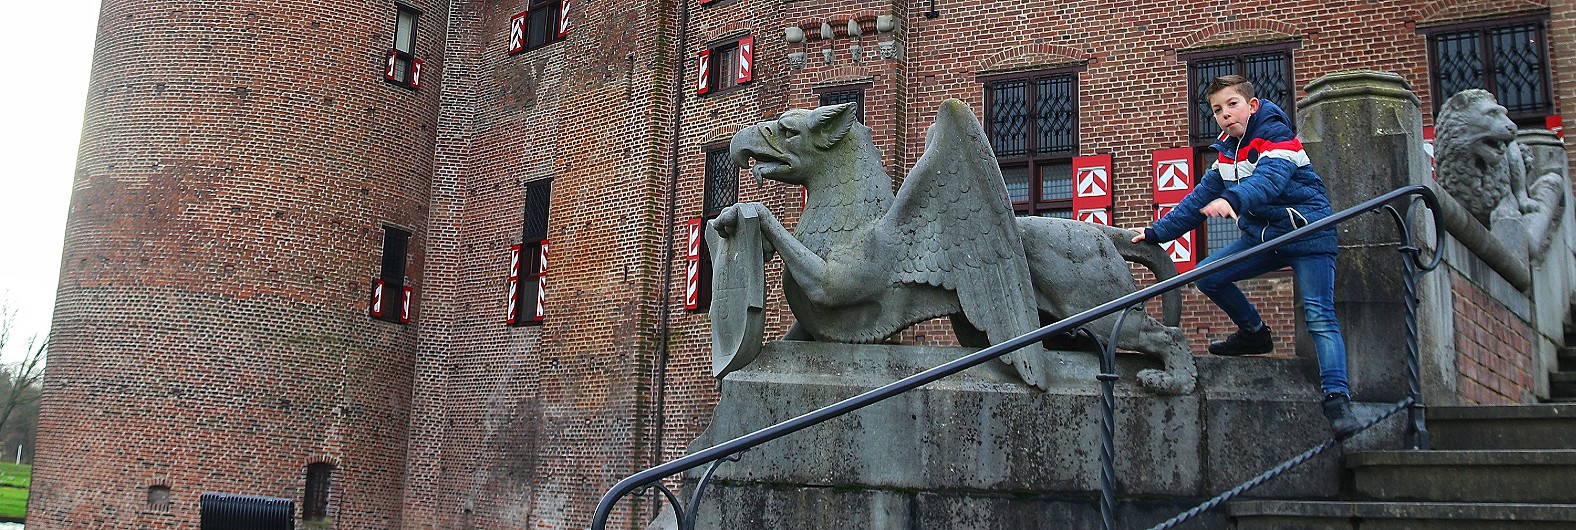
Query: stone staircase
x=1491 y=467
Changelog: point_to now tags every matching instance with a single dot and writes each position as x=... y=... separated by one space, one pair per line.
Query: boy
x=1264 y=180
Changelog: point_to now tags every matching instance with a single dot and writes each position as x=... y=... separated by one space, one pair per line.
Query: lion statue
x=864 y=263
x=1480 y=163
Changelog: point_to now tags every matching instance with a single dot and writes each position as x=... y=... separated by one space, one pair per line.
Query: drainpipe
x=664 y=327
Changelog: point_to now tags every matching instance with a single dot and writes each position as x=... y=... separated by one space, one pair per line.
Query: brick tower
x=243 y=168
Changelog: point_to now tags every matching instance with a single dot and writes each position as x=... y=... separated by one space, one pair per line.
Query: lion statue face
x=1471 y=137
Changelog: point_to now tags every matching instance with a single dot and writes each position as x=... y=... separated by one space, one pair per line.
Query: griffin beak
x=749 y=143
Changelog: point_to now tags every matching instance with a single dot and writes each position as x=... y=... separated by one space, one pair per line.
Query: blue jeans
x=1315 y=276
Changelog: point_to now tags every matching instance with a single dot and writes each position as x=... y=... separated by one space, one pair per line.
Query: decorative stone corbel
x=857 y=52
x=886 y=23
x=888 y=49
x=796 y=60
x=793 y=34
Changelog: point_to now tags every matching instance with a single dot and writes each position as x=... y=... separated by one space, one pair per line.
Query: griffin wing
x=953 y=227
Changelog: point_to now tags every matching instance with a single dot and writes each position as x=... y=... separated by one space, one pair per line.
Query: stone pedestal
x=1363 y=131
x=982 y=450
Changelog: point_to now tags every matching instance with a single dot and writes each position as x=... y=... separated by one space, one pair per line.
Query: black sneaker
x=1338 y=408
x=1245 y=343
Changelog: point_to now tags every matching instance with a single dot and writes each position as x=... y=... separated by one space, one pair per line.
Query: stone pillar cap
x=1344 y=85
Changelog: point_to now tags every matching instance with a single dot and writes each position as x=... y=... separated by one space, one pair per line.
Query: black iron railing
x=1416 y=436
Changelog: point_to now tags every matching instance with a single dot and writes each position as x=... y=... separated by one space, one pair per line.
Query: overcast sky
x=49 y=50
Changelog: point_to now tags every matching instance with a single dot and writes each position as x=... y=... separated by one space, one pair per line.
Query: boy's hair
x=1237 y=82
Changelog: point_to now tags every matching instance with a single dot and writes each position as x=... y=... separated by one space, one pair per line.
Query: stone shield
x=738 y=295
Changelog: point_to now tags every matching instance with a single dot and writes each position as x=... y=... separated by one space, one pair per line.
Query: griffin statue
x=864 y=263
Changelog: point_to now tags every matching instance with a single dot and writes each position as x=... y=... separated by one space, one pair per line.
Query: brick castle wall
x=226 y=224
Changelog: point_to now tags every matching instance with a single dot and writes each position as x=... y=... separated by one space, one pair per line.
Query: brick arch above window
x=1239 y=32
x=732 y=30
x=323 y=459
x=1441 y=11
x=843 y=75
x=723 y=133
x=1033 y=56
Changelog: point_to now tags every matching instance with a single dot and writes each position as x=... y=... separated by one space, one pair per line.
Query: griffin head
x=783 y=149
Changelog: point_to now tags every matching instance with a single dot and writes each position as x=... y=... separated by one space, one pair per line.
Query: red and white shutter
x=415 y=73
x=375 y=308
x=1554 y=123
x=1428 y=147
x=746 y=59
x=404 y=304
x=541 y=284
x=1180 y=249
x=702 y=67
x=1173 y=174
x=514 y=285
x=563 y=19
x=388 y=65
x=692 y=265
x=1098 y=216
x=517 y=32
x=1092 y=189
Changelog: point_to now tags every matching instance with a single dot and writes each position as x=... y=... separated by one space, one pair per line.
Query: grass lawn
x=14 y=481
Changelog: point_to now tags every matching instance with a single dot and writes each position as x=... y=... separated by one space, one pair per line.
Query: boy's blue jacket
x=1276 y=192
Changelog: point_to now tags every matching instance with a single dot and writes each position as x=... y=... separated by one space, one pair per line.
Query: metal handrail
x=652 y=477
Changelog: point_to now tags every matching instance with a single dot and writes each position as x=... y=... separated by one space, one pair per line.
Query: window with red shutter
x=725 y=66
x=400 y=65
x=388 y=289
x=528 y=263
x=543 y=22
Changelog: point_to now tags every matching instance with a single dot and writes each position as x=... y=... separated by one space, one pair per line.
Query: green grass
x=14 y=480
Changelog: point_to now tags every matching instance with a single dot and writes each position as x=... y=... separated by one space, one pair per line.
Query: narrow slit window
x=401 y=66
x=319 y=481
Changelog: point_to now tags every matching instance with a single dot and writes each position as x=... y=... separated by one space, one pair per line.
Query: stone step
x=1345 y=515
x=1562 y=384
x=1532 y=476
x=1546 y=426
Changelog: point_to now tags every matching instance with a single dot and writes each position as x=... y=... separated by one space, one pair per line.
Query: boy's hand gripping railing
x=1416 y=435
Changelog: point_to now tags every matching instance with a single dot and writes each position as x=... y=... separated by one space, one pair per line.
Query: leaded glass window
x=841 y=96
x=722 y=182
x=1268 y=69
x=1219 y=232
x=1032 y=120
x=1508 y=58
x=720 y=190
